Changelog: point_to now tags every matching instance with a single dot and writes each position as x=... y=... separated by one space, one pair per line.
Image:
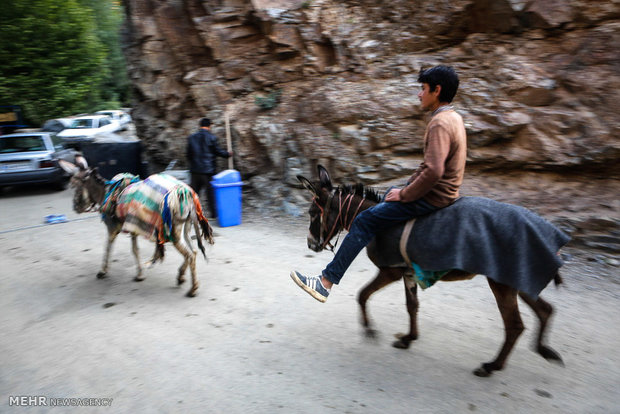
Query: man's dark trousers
x=200 y=181
x=366 y=225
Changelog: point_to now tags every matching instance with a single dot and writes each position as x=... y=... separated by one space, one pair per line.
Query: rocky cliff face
x=335 y=82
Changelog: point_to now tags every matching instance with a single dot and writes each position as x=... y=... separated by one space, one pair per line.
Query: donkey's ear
x=81 y=162
x=324 y=178
x=68 y=166
x=309 y=186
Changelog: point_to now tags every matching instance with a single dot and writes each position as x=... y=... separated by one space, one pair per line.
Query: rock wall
x=335 y=82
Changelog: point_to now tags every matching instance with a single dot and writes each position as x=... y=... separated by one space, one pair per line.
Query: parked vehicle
x=84 y=128
x=56 y=125
x=122 y=117
x=29 y=158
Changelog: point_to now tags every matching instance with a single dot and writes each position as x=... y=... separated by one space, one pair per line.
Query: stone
x=539 y=83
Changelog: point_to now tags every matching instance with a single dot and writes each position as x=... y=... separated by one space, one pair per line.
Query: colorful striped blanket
x=147 y=207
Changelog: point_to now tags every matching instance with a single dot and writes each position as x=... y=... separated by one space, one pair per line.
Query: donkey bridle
x=340 y=219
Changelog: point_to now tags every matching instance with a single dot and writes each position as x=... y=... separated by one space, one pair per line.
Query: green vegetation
x=61 y=57
x=270 y=101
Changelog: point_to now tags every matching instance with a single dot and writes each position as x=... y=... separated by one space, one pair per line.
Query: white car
x=84 y=128
x=122 y=117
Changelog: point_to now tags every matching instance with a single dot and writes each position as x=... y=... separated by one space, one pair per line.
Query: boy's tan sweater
x=438 y=178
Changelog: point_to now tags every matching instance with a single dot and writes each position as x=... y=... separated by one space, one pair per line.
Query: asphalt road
x=253 y=342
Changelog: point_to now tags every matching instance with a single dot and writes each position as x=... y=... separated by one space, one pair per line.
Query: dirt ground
x=253 y=342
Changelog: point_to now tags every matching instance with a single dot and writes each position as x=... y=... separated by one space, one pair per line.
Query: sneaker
x=312 y=285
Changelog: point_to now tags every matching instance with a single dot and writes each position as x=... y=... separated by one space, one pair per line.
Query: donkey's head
x=321 y=221
x=88 y=184
x=334 y=209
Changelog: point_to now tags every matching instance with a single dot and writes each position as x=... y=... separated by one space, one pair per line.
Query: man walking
x=202 y=150
x=434 y=185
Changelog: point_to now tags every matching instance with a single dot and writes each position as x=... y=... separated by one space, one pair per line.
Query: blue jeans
x=364 y=228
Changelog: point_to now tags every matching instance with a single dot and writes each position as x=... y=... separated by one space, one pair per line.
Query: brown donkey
x=334 y=209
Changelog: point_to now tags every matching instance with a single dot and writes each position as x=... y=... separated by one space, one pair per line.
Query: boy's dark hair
x=444 y=76
x=205 y=122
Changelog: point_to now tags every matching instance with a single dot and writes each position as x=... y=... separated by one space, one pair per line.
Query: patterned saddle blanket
x=146 y=207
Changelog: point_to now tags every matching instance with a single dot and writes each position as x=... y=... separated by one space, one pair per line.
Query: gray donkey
x=159 y=208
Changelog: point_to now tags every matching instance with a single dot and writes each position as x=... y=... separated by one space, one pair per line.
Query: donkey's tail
x=158 y=254
x=557 y=279
x=201 y=225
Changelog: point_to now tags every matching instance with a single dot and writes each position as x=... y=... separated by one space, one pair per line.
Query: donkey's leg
x=385 y=276
x=506 y=298
x=189 y=260
x=186 y=230
x=411 y=293
x=183 y=268
x=136 y=253
x=112 y=233
x=543 y=311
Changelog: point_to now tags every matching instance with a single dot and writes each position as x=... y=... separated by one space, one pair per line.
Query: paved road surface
x=253 y=342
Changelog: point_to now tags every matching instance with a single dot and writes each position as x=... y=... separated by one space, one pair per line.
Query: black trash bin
x=112 y=158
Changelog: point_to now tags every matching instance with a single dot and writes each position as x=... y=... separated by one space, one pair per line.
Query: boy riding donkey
x=434 y=185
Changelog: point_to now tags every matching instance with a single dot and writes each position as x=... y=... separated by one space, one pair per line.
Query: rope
x=340 y=218
x=45 y=224
x=404 y=238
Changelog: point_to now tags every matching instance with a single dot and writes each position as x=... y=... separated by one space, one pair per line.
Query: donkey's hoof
x=180 y=280
x=371 y=333
x=409 y=337
x=192 y=293
x=402 y=343
x=485 y=370
x=550 y=355
x=101 y=275
x=138 y=278
x=481 y=372
x=404 y=340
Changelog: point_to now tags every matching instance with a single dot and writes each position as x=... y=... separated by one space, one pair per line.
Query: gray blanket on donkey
x=507 y=243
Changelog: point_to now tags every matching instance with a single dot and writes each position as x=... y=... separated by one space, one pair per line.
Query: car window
x=57 y=142
x=81 y=123
x=103 y=122
x=22 y=144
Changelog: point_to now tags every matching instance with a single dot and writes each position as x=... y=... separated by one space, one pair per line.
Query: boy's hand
x=393 y=195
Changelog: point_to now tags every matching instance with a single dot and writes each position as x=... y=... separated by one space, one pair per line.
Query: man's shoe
x=312 y=285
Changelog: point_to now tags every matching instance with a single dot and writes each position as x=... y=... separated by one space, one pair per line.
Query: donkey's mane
x=359 y=189
x=99 y=179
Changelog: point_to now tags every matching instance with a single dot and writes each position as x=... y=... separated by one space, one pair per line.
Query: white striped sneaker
x=312 y=285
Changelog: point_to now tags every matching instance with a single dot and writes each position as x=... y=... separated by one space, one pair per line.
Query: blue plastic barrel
x=227 y=190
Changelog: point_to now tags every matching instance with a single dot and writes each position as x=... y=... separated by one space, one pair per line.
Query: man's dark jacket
x=202 y=148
